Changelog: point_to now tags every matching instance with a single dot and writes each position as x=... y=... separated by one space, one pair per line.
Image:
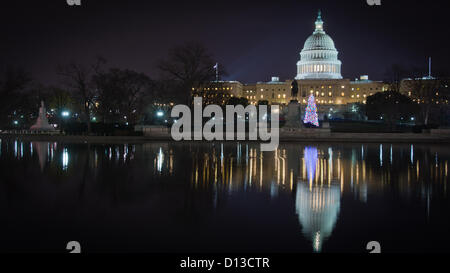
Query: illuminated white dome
x=319 y=41
x=319 y=57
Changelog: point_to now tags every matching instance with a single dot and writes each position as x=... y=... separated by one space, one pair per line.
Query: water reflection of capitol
x=315 y=176
x=317 y=205
x=314 y=179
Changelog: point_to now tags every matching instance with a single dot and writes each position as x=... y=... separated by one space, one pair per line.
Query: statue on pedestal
x=42 y=121
x=293 y=119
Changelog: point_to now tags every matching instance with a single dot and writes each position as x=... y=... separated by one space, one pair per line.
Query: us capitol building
x=318 y=73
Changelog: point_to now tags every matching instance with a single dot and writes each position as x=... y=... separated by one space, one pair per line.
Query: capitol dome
x=319 y=41
x=319 y=57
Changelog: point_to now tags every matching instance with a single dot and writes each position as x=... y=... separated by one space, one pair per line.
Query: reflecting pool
x=223 y=197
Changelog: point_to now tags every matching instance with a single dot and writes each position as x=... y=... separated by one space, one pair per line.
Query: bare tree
x=191 y=65
x=429 y=91
x=59 y=99
x=79 y=79
x=426 y=90
x=122 y=92
x=394 y=76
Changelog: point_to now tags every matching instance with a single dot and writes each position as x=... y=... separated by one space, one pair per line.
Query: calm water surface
x=230 y=197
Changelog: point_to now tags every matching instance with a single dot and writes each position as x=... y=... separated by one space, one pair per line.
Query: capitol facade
x=318 y=72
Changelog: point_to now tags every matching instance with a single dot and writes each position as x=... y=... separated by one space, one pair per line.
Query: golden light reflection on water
x=317 y=176
x=320 y=181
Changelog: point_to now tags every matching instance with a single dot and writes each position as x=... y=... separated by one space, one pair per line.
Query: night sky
x=254 y=40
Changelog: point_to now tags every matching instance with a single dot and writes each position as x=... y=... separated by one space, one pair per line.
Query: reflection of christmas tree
x=311 y=162
x=311 y=112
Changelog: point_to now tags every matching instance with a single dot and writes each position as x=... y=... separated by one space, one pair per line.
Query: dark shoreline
x=331 y=137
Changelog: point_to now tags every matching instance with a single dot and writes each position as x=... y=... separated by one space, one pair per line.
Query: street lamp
x=65 y=115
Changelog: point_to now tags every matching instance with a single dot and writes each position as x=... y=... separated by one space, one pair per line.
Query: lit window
x=343 y=94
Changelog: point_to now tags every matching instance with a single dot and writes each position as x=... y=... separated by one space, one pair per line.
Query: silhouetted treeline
x=97 y=93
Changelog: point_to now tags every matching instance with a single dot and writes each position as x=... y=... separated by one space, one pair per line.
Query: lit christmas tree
x=311 y=112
